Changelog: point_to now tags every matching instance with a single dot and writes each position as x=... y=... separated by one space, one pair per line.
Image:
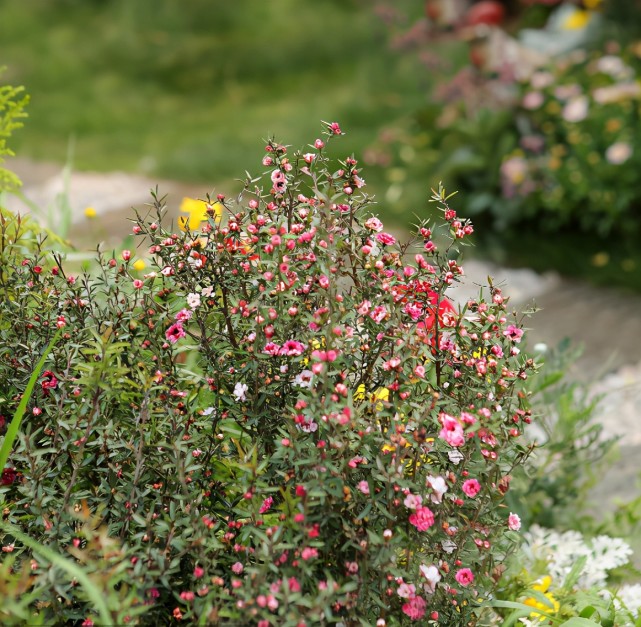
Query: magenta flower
x=292 y=348
x=415 y=608
x=175 y=332
x=452 y=431
x=513 y=333
x=422 y=518
x=471 y=487
x=464 y=576
x=266 y=506
x=386 y=239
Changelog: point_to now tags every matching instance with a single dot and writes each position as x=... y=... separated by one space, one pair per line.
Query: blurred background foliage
x=186 y=91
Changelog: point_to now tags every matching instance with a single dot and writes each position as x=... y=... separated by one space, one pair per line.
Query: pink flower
x=138 y=284
x=183 y=315
x=335 y=128
x=422 y=518
x=532 y=100
x=363 y=486
x=292 y=348
x=279 y=181
x=378 y=313
x=308 y=553
x=471 y=487
x=374 y=224
x=513 y=333
x=406 y=591
x=412 y=501
x=576 y=109
x=386 y=239
x=237 y=568
x=267 y=503
x=272 y=349
x=452 y=431
x=513 y=522
x=415 y=608
x=175 y=332
x=464 y=576
x=293 y=584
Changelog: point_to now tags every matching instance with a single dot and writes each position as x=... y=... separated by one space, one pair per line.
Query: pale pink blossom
x=576 y=109
x=532 y=100
x=412 y=501
x=363 y=486
x=439 y=488
x=513 y=333
x=618 y=153
x=406 y=591
x=514 y=522
x=374 y=224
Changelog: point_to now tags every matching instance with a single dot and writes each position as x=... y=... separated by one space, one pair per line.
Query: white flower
x=209 y=410
x=449 y=546
x=630 y=595
x=239 y=391
x=576 y=109
x=439 y=488
x=562 y=550
x=618 y=153
x=207 y=291
x=304 y=379
x=432 y=576
x=193 y=300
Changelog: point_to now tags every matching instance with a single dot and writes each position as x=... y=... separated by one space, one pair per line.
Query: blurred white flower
x=618 y=153
x=576 y=109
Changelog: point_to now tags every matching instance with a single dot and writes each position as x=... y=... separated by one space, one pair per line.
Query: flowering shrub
x=284 y=422
x=578 y=143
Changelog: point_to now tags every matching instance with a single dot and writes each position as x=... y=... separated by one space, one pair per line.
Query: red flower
x=9 y=476
x=421 y=294
x=50 y=382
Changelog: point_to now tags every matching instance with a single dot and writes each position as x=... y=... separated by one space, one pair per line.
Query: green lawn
x=188 y=90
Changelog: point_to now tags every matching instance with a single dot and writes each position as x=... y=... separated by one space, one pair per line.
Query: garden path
x=606 y=322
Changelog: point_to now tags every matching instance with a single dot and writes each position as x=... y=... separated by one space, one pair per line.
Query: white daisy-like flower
x=240 y=389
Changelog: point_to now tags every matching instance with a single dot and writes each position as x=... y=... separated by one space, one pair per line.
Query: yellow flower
x=552 y=606
x=197 y=210
x=576 y=20
x=90 y=212
x=139 y=264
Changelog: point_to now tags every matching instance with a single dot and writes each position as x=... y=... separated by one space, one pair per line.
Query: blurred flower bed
x=539 y=131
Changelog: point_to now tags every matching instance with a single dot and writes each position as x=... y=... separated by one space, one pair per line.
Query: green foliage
x=13 y=101
x=570 y=451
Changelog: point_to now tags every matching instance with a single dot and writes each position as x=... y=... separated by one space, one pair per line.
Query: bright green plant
x=13 y=101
